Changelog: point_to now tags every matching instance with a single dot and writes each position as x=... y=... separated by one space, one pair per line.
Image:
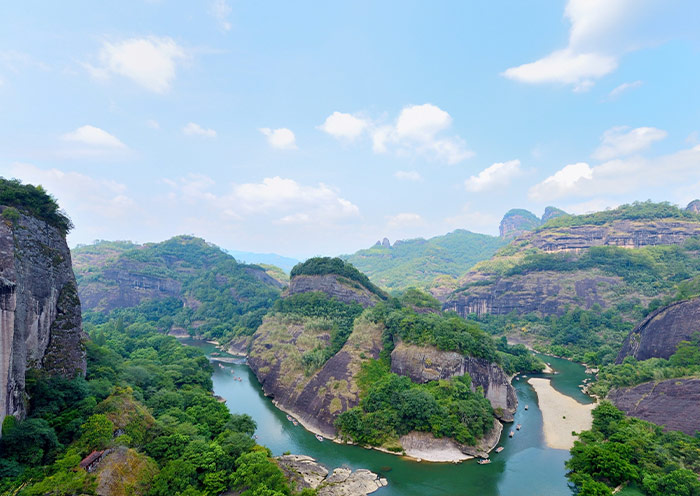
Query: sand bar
x=561 y=414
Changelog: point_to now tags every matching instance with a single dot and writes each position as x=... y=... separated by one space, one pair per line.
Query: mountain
x=199 y=288
x=39 y=307
x=518 y=221
x=334 y=339
x=579 y=283
x=424 y=263
x=281 y=261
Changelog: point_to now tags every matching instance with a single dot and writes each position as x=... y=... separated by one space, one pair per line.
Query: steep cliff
x=277 y=358
x=517 y=221
x=672 y=403
x=659 y=334
x=40 y=318
x=335 y=286
x=427 y=363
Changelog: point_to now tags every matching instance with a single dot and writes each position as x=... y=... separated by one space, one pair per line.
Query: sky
x=316 y=128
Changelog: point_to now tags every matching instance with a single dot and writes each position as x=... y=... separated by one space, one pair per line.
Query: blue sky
x=308 y=128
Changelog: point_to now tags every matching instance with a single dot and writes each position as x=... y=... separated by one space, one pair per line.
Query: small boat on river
x=512 y=433
x=517 y=427
x=499 y=449
x=484 y=461
x=526 y=407
x=319 y=437
x=289 y=417
x=295 y=422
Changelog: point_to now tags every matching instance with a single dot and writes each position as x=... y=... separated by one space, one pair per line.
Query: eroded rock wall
x=40 y=319
x=334 y=286
x=423 y=364
x=660 y=332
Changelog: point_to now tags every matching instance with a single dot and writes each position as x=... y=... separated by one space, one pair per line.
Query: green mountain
x=190 y=285
x=578 y=284
x=424 y=263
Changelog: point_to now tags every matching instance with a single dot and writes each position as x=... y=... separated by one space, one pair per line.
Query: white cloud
x=562 y=182
x=85 y=198
x=618 y=90
x=474 y=220
x=497 y=175
x=564 y=66
x=344 y=126
x=416 y=132
x=407 y=175
x=153 y=124
x=221 y=10
x=620 y=176
x=93 y=136
x=149 y=62
x=282 y=138
x=193 y=129
x=281 y=200
x=404 y=219
x=596 y=42
x=621 y=140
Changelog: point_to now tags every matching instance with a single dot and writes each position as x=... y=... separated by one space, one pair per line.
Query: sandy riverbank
x=561 y=414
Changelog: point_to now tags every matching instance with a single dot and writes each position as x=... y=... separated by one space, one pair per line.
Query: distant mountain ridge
x=285 y=263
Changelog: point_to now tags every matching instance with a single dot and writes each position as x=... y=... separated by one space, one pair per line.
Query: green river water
x=526 y=467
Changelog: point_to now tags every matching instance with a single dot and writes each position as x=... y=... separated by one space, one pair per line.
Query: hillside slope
x=419 y=262
x=200 y=289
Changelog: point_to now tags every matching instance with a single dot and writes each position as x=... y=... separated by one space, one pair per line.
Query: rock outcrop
x=672 y=403
x=316 y=399
x=517 y=221
x=693 y=207
x=660 y=332
x=424 y=363
x=335 y=286
x=306 y=472
x=40 y=318
x=551 y=213
x=427 y=447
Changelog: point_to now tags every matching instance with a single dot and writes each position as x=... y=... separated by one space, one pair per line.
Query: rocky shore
x=305 y=472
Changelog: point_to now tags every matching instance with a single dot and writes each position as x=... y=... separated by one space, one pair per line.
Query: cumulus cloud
x=594 y=47
x=221 y=10
x=404 y=219
x=620 y=176
x=418 y=130
x=194 y=129
x=149 y=62
x=621 y=140
x=407 y=176
x=93 y=136
x=618 y=90
x=282 y=138
x=282 y=200
x=87 y=200
x=497 y=175
x=344 y=126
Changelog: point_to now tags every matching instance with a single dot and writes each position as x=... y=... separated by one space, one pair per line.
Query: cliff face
x=672 y=403
x=517 y=221
x=423 y=364
x=40 y=319
x=623 y=233
x=659 y=334
x=334 y=286
x=316 y=399
x=546 y=292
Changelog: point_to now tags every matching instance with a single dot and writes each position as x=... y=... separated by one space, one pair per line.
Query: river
x=526 y=467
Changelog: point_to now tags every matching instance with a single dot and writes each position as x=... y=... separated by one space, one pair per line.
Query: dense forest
x=147 y=403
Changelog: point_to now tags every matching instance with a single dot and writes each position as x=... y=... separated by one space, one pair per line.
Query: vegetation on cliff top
x=147 y=393
x=621 y=450
x=321 y=266
x=34 y=201
x=418 y=262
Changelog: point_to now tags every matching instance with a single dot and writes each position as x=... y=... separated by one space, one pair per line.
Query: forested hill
x=424 y=263
x=579 y=283
x=199 y=289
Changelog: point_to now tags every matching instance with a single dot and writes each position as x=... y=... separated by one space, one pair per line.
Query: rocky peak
x=693 y=207
x=551 y=213
x=517 y=221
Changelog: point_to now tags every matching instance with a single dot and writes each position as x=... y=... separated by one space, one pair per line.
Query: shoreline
x=561 y=414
